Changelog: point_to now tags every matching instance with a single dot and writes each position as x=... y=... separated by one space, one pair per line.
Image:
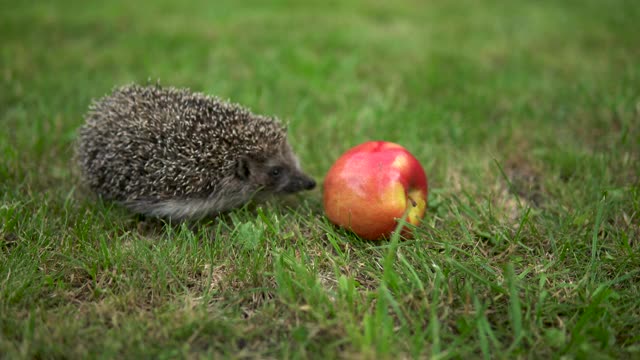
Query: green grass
x=525 y=115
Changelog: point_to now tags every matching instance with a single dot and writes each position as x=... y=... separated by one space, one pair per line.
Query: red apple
x=373 y=185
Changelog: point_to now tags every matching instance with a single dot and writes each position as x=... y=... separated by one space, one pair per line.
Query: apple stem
x=413 y=202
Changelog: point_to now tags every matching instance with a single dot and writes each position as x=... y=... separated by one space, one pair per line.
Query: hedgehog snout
x=299 y=183
x=309 y=184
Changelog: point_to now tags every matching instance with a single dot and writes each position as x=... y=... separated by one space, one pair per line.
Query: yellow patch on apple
x=417 y=205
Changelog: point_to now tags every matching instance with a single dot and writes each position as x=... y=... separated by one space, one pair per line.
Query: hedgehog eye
x=275 y=172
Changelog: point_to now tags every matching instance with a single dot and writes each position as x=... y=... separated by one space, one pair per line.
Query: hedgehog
x=172 y=153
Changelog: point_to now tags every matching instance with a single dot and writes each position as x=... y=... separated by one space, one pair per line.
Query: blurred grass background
x=524 y=114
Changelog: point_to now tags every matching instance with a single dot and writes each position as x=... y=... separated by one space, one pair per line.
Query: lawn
x=525 y=115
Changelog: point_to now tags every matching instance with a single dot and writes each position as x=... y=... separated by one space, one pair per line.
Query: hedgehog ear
x=242 y=168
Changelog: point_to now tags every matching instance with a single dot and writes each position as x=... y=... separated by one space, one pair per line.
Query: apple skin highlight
x=371 y=186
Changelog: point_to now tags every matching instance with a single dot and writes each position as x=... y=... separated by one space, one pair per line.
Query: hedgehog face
x=279 y=174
